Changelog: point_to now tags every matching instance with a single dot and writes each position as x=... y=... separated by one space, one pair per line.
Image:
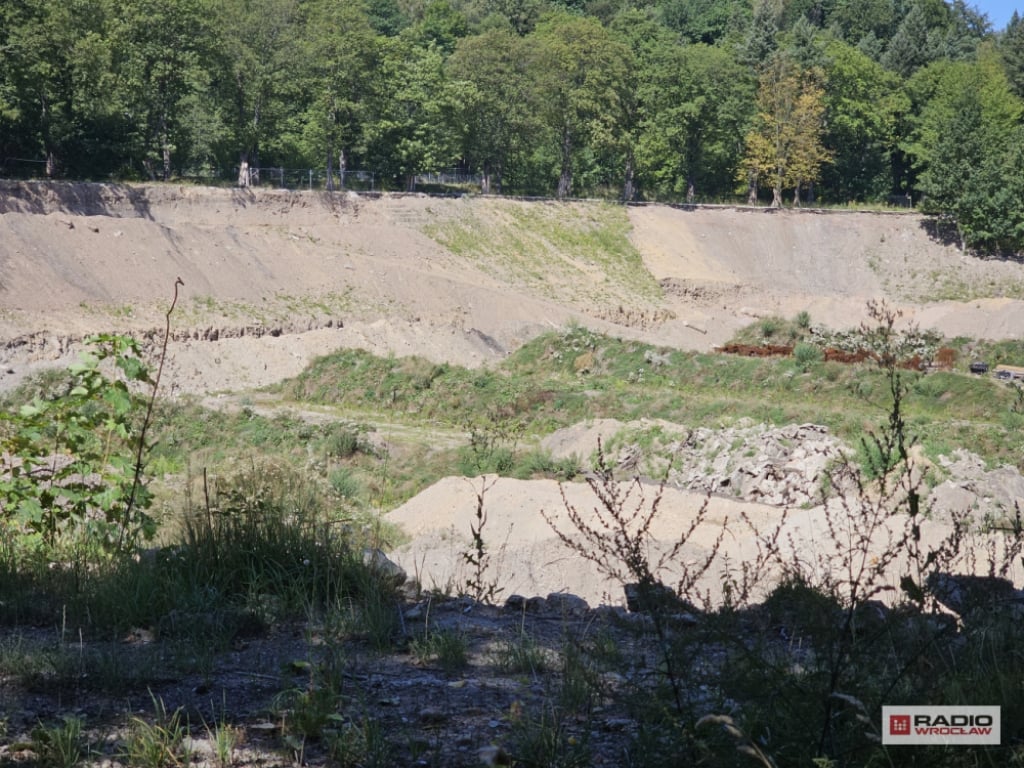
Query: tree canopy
x=966 y=145
x=653 y=99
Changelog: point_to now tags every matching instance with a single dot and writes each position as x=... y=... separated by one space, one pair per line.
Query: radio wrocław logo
x=940 y=725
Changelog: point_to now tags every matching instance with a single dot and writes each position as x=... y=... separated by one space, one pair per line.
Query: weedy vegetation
x=258 y=525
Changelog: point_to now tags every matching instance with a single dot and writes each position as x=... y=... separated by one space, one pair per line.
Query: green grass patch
x=564 y=377
x=263 y=545
x=586 y=244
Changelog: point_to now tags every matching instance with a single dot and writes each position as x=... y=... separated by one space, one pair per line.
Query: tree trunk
x=752 y=188
x=796 y=195
x=167 y=161
x=497 y=179
x=565 y=178
x=330 y=169
x=51 y=156
x=629 y=185
x=691 y=188
x=485 y=179
x=165 y=147
x=244 y=178
x=410 y=182
x=342 y=165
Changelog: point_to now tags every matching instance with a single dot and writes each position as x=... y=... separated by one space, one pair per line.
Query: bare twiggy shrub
x=616 y=537
x=852 y=622
x=744 y=580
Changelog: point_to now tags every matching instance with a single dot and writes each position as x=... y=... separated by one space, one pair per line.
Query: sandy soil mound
x=526 y=555
x=525 y=522
x=275 y=278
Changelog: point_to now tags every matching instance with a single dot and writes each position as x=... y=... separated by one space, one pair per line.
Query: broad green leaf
x=134 y=369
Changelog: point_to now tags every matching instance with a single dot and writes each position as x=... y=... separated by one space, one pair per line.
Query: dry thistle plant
x=616 y=537
x=478 y=585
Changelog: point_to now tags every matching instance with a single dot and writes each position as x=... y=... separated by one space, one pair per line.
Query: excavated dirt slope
x=273 y=278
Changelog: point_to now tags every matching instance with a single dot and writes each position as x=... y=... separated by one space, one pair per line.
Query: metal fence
x=362 y=180
x=21 y=168
x=304 y=178
x=280 y=177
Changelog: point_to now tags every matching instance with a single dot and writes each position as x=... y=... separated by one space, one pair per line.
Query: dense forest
x=778 y=101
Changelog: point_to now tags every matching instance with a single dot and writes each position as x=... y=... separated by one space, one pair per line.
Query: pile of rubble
x=992 y=497
x=781 y=466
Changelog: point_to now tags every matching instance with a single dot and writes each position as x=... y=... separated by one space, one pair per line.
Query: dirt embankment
x=274 y=277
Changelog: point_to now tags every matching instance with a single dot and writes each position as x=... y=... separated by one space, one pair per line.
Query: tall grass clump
x=262 y=546
x=807 y=354
x=265 y=537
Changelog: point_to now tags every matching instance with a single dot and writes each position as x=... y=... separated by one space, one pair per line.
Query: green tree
x=580 y=74
x=859 y=20
x=162 y=51
x=932 y=30
x=762 y=34
x=908 y=49
x=413 y=124
x=56 y=82
x=256 y=44
x=785 y=146
x=341 y=69
x=696 y=103
x=500 y=124
x=862 y=102
x=991 y=211
x=1011 y=46
x=965 y=145
x=813 y=12
x=519 y=16
x=702 y=21
x=968 y=22
x=388 y=17
x=441 y=25
x=645 y=38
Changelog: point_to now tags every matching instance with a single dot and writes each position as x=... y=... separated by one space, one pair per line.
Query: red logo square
x=899 y=725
